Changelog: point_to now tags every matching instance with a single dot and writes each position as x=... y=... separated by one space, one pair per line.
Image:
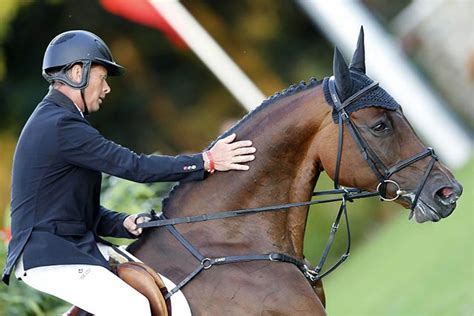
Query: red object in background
x=142 y=12
x=5 y=234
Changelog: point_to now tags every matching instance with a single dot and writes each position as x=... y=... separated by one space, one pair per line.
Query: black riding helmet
x=74 y=47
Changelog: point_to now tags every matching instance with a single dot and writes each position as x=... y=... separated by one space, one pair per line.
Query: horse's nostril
x=445 y=192
x=447 y=195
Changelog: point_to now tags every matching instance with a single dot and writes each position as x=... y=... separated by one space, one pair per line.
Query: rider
x=56 y=216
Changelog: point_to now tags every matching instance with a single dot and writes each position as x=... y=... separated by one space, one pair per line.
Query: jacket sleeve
x=82 y=145
x=111 y=224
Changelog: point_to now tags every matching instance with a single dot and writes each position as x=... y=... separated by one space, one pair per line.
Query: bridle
x=382 y=173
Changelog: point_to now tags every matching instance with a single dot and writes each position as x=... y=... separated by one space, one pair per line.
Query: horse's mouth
x=425 y=211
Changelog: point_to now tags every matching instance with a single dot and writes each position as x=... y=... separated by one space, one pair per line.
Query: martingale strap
x=348 y=194
x=206 y=263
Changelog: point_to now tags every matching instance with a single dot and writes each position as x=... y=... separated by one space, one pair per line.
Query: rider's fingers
x=244 y=151
x=242 y=143
x=228 y=139
x=243 y=158
x=236 y=166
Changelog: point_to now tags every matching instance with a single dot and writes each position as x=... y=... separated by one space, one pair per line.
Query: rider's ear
x=342 y=75
x=358 y=60
x=75 y=73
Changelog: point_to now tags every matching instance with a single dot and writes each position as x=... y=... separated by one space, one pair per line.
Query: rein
x=347 y=194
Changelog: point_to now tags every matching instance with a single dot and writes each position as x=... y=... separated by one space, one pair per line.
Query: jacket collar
x=57 y=97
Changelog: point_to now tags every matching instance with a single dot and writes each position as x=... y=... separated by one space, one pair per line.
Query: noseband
x=382 y=173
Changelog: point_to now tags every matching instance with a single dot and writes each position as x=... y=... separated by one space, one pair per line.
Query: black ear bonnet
x=376 y=97
x=351 y=79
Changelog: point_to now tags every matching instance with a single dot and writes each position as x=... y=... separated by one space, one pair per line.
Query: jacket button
x=193 y=167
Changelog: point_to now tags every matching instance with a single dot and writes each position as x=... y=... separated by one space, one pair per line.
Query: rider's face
x=97 y=88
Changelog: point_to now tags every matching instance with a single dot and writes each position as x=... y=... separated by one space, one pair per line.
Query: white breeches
x=92 y=288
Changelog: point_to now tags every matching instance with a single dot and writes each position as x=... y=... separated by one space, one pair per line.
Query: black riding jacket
x=56 y=216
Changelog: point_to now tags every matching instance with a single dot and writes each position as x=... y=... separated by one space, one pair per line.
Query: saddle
x=146 y=281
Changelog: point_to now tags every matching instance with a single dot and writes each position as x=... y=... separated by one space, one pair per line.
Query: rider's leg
x=92 y=288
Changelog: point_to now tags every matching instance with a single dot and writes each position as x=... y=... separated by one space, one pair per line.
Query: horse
x=346 y=126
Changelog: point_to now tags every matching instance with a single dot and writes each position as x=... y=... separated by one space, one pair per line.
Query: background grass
x=411 y=269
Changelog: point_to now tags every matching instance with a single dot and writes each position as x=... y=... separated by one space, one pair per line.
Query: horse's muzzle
x=437 y=205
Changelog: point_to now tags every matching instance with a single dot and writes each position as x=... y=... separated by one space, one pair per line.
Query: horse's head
x=379 y=150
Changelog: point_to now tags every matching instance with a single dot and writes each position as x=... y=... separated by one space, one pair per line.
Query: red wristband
x=211 y=162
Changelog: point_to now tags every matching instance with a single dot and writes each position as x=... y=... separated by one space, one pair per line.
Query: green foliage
x=411 y=269
x=127 y=196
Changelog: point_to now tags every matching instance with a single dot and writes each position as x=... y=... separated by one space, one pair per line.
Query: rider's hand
x=229 y=155
x=131 y=226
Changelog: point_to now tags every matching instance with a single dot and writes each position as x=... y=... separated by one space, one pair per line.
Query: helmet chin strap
x=86 y=68
x=86 y=110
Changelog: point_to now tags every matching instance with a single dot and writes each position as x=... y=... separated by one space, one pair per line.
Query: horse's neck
x=284 y=171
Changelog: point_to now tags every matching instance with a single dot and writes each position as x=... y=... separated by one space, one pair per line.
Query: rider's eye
x=380 y=128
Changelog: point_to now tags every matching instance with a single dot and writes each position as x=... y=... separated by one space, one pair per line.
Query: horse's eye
x=380 y=127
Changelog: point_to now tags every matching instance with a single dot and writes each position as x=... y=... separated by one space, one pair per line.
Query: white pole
x=239 y=85
x=341 y=21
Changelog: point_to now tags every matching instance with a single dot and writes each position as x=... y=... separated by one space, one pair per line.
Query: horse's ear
x=358 y=60
x=342 y=75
